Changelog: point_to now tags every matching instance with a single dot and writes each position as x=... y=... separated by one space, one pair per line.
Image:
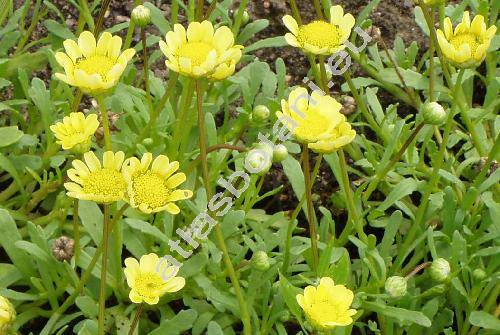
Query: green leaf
x=251 y=29
x=400 y=314
x=272 y=42
x=289 y=293
x=183 y=321
x=146 y=228
x=484 y=320
x=58 y=29
x=214 y=329
x=401 y=190
x=9 y=135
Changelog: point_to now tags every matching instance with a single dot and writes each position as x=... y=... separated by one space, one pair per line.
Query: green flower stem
x=76 y=230
x=291 y=222
x=100 y=18
x=199 y=10
x=245 y=316
x=395 y=90
x=295 y=12
x=431 y=61
x=172 y=82
x=323 y=80
x=410 y=92
x=104 y=270
x=311 y=216
x=145 y=68
x=419 y=217
x=137 y=317
x=38 y=13
x=175 y=11
x=239 y=17
x=382 y=173
x=355 y=220
x=319 y=11
x=105 y=122
x=364 y=110
x=130 y=34
x=83 y=280
x=86 y=14
x=180 y=122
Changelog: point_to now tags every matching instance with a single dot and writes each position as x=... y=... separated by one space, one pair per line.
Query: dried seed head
x=348 y=105
x=375 y=33
x=63 y=248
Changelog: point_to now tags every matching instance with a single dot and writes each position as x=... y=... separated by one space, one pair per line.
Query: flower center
x=197 y=52
x=150 y=189
x=320 y=34
x=465 y=38
x=311 y=126
x=148 y=284
x=96 y=64
x=108 y=182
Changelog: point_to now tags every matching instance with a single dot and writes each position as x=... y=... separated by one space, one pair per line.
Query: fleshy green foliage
x=409 y=198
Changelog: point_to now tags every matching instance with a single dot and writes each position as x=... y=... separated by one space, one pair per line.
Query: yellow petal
x=336 y=14
x=448 y=28
x=195 y=32
x=223 y=39
x=92 y=161
x=291 y=24
x=115 y=46
x=292 y=40
x=466 y=19
x=172 y=208
x=149 y=263
x=160 y=164
x=87 y=44
x=103 y=44
x=478 y=26
x=175 y=284
x=176 y=180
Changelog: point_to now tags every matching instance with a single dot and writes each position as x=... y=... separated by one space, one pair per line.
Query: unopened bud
x=396 y=286
x=260 y=113
x=440 y=270
x=258 y=161
x=141 y=16
x=63 y=248
x=260 y=261
x=147 y=141
x=7 y=315
x=479 y=274
x=285 y=316
x=433 y=113
x=280 y=152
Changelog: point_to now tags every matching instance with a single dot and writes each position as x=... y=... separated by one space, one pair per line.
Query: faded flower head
x=75 y=131
x=316 y=120
x=63 y=248
x=146 y=280
x=321 y=37
x=94 y=67
x=152 y=185
x=93 y=181
x=201 y=51
x=7 y=315
x=466 y=46
x=327 y=305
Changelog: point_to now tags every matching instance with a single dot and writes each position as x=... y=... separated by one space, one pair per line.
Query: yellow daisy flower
x=152 y=189
x=327 y=305
x=75 y=131
x=93 y=67
x=7 y=315
x=467 y=45
x=200 y=51
x=146 y=279
x=316 y=120
x=321 y=37
x=93 y=181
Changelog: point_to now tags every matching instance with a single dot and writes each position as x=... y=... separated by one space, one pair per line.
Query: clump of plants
x=136 y=161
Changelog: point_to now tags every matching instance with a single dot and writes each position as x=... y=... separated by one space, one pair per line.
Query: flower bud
x=285 y=316
x=141 y=16
x=7 y=315
x=396 y=286
x=479 y=274
x=258 y=161
x=440 y=270
x=245 y=18
x=260 y=261
x=147 y=141
x=260 y=113
x=433 y=113
x=280 y=152
x=63 y=248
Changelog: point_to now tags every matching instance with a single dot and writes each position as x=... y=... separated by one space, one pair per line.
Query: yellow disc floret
x=93 y=181
x=201 y=51
x=321 y=37
x=148 y=279
x=467 y=45
x=94 y=67
x=151 y=185
x=320 y=34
